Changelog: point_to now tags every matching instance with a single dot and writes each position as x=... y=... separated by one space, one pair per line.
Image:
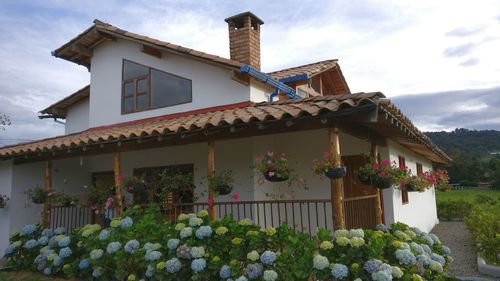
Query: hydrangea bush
x=143 y=246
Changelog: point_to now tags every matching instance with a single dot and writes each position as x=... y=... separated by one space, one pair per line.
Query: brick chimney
x=244 y=38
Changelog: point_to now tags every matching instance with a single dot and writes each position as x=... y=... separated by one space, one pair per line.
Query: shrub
x=484 y=224
x=142 y=245
x=453 y=209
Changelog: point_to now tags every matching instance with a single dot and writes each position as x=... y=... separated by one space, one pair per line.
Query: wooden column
x=48 y=189
x=337 y=185
x=210 y=172
x=378 y=201
x=118 y=184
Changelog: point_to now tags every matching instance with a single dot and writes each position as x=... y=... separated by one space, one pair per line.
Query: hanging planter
x=381 y=175
x=135 y=185
x=382 y=182
x=411 y=187
x=37 y=195
x=329 y=166
x=336 y=173
x=221 y=182
x=272 y=176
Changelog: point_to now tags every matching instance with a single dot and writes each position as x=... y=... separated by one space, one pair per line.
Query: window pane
x=168 y=89
x=142 y=102
x=128 y=89
x=128 y=104
x=133 y=70
x=142 y=86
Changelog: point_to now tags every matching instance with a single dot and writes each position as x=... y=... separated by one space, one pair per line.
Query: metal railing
x=71 y=217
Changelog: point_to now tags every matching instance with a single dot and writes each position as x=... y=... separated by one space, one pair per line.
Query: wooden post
x=378 y=201
x=210 y=172
x=118 y=184
x=48 y=189
x=337 y=185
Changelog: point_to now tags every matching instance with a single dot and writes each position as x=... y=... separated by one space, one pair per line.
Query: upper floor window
x=404 y=191
x=145 y=88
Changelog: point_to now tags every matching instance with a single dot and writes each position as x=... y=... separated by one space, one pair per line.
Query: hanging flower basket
x=275 y=177
x=335 y=173
x=223 y=189
x=135 y=185
x=221 y=182
x=381 y=175
x=38 y=195
x=382 y=182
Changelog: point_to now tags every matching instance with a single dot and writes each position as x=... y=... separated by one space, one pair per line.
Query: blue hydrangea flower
x=104 y=234
x=417 y=248
x=44 y=240
x=47 y=271
x=434 y=238
x=427 y=249
x=446 y=250
x=385 y=267
x=172 y=244
x=150 y=271
x=53 y=241
x=64 y=242
x=405 y=257
x=270 y=275
x=49 y=252
x=356 y=233
x=381 y=227
x=113 y=247
x=372 y=265
x=96 y=254
x=203 y=232
x=65 y=252
x=148 y=246
x=268 y=257
x=254 y=270
x=340 y=271
x=126 y=222
x=428 y=239
x=423 y=260
x=152 y=256
x=59 y=231
x=30 y=244
x=40 y=258
x=84 y=264
x=186 y=232
x=197 y=252
x=47 y=232
x=132 y=246
x=28 y=229
x=440 y=259
x=57 y=261
x=173 y=265
x=9 y=250
x=198 y=265
x=242 y=278
x=97 y=272
x=382 y=276
x=225 y=271
x=436 y=266
x=417 y=231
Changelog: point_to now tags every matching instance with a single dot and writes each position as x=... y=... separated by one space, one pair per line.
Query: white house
x=155 y=104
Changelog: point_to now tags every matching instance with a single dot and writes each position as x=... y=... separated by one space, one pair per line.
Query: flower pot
x=274 y=177
x=336 y=173
x=223 y=189
x=364 y=179
x=381 y=182
x=36 y=200
x=410 y=187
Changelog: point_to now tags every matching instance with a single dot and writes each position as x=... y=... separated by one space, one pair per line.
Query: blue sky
x=403 y=48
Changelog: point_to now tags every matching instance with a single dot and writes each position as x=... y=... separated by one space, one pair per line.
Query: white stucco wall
x=258 y=92
x=420 y=211
x=211 y=85
x=5 y=214
x=77 y=119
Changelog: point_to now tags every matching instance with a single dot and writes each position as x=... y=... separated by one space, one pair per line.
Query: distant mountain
x=477 y=144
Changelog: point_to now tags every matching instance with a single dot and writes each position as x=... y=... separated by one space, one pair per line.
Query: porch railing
x=301 y=215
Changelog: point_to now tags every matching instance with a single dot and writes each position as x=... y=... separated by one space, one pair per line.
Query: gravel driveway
x=455 y=235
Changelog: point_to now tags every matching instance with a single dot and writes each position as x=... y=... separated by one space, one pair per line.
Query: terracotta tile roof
x=60 y=108
x=74 y=50
x=309 y=69
x=235 y=114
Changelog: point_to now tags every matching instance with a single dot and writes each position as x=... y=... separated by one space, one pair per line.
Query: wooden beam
x=378 y=199
x=81 y=49
x=118 y=184
x=321 y=84
x=151 y=51
x=337 y=185
x=48 y=189
x=210 y=172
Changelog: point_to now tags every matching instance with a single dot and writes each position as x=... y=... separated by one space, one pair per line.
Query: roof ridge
x=304 y=65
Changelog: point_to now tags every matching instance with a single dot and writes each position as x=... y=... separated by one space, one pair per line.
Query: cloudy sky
x=438 y=60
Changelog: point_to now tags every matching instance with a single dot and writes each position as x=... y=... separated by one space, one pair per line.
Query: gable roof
x=60 y=108
x=79 y=49
x=241 y=115
x=310 y=70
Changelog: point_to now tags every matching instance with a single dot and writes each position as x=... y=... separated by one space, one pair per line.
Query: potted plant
x=135 y=185
x=416 y=183
x=440 y=179
x=37 y=195
x=272 y=167
x=327 y=167
x=61 y=199
x=381 y=175
x=221 y=183
x=3 y=201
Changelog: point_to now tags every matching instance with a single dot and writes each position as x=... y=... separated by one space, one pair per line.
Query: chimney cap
x=238 y=19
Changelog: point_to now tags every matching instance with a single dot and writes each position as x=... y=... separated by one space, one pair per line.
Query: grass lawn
x=466 y=194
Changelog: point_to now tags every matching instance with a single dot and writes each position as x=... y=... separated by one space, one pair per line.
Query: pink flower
x=282 y=158
x=271 y=174
x=210 y=202
x=108 y=203
x=236 y=196
x=121 y=178
x=269 y=162
x=270 y=153
x=385 y=163
x=382 y=173
x=96 y=211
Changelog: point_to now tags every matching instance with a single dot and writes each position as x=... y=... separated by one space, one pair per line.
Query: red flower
x=385 y=163
x=210 y=202
x=121 y=178
x=382 y=173
x=236 y=196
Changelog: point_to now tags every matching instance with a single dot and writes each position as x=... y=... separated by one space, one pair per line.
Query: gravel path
x=455 y=235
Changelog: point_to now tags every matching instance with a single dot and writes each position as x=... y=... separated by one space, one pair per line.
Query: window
x=420 y=170
x=145 y=88
x=404 y=192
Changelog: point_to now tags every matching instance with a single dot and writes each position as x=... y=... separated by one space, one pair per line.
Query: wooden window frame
x=420 y=169
x=404 y=193
x=149 y=93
